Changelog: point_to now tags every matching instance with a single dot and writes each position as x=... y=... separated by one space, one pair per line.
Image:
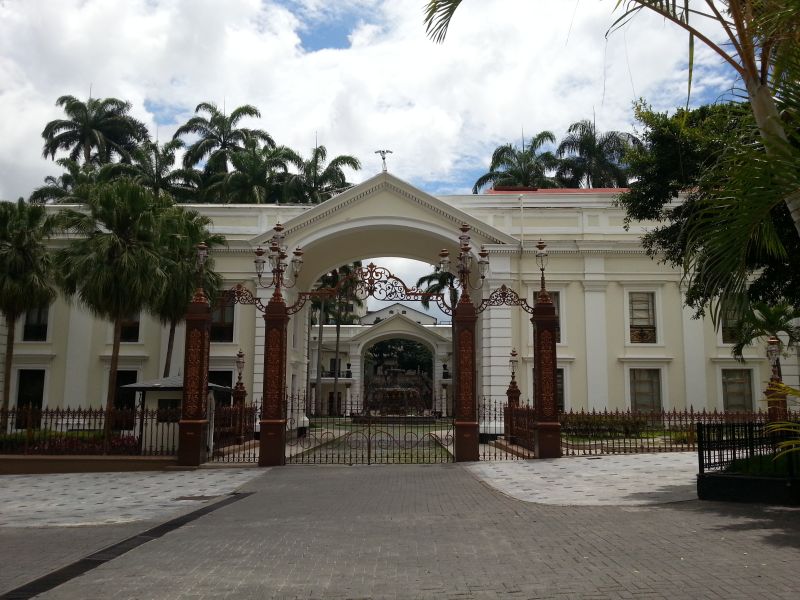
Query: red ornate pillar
x=192 y=428
x=466 y=410
x=512 y=393
x=547 y=426
x=272 y=445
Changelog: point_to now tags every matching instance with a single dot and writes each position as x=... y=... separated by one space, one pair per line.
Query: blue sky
x=357 y=75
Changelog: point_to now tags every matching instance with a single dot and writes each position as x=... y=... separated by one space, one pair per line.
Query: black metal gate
x=343 y=433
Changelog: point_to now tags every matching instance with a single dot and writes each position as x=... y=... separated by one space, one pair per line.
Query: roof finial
x=383 y=154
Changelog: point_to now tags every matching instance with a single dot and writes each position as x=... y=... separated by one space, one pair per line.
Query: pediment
x=398 y=325
x=385 y=198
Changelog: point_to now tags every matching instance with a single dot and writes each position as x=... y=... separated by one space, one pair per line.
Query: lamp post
x=464 y=321
x=239 y=395
x=192 y=427
x=776 y=400
x=513 y=393
x=545 y=321
x=276 y=319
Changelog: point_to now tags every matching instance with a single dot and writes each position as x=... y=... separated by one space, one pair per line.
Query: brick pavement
x=438 y=532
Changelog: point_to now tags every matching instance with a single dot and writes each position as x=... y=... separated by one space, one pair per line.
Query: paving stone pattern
x=81 y=499
x=437 y=531
x=628 y=479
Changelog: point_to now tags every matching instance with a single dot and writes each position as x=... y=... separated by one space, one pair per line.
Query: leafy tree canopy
x=685 y=153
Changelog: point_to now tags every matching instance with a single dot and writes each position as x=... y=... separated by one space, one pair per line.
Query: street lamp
x=277 y=255
x=465 y=260
x=774 y=356
x=513 y=362
x=201 y=257
x=541 y=260
x=239 y=361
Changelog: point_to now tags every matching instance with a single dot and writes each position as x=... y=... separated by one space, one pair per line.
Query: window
x=125 y=401
x=30 y=394
x=737 y=390
x=556 y=298
x=35 y=328
x=645 y=390
x=224 y=378
x=559 y=389
x=730 y=323
x=642 y=307
x=169 y=410
x=129 y=331
x=222 y=320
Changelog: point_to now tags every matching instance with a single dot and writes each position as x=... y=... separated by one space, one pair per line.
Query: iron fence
x=82 y=431
x=728 y=446
x=626 y=432
x=505 y=433
x=235 y=433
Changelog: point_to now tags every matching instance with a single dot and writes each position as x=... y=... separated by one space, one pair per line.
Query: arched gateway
x=382 y=217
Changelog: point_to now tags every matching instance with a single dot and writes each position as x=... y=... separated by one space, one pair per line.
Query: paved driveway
x=440 y=532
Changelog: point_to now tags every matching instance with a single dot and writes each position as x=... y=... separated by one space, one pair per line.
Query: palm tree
x=25 y=275
x=764 y=321
x=438 y=282
x=323 y=309
x=219 y=136
x=152 y=167
x=114 y=264
x=317 y=181
x=74 y=185
x=760 y=45
x=99 y=124
x=524 y=168
x=343 y=304
x=258 y=174
x=592 y=159
x=180 y=231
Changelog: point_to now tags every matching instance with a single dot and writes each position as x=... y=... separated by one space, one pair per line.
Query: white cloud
x=506 y=65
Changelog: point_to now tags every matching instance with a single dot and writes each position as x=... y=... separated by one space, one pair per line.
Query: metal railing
x=81 y=431
x=721 y=445
x=627 y=432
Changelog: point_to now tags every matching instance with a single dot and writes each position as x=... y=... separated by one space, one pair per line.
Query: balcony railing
x=643 y=334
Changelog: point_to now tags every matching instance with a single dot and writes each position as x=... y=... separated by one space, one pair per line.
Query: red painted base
x=466 y=441
x=272 y=443
x=548 y=439
x=192 y=443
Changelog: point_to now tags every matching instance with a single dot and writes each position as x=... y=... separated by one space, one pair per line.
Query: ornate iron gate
x=344 y=434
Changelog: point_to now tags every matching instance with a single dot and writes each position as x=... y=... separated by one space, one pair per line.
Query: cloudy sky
x=357 y=75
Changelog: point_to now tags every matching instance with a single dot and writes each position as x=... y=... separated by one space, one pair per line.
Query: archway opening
x=398 y=378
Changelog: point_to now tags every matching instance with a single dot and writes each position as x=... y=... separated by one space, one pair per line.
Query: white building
x=626 y=341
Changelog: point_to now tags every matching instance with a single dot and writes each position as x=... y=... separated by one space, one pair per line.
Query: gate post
x=466 y=410
x=193 y=425
x=545 y=321
x=272 y=442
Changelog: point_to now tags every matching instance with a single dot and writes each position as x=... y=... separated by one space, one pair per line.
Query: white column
x=357 y=394
x=497 y=343
x=694 y=361
x=596 y=344
x=76 y=378
x=258 y=351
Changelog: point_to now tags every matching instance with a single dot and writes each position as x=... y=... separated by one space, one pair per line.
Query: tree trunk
x=336 y=361
x=87 y=152
x=309 y=325
x=112 y=378
x=11 y=322
x=319 y=360
x=771 y=128
x=170 y=345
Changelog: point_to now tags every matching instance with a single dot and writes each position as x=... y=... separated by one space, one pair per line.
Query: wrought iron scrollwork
x=241 y=295
x=504 y=296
